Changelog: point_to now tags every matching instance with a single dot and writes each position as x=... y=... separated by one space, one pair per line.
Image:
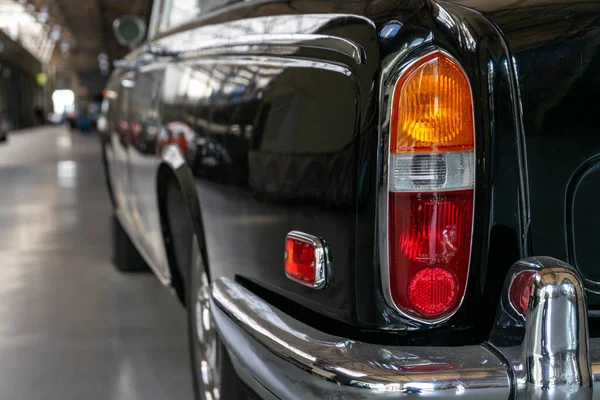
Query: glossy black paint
x=556 y=55
x=277 y=109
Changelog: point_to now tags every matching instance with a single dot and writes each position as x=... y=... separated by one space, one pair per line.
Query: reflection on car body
x=337 y=190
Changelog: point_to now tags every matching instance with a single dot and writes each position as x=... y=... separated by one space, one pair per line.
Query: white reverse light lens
x=435 y=172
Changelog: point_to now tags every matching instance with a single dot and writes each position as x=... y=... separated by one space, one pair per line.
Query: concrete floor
x=71 y=326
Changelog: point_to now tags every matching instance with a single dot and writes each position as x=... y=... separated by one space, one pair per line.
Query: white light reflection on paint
x=354 y=374
x=66 y=173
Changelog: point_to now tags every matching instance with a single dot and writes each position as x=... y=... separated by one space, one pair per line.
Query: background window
x=178 y=12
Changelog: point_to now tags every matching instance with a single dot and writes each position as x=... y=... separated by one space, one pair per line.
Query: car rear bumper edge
x=280 y=357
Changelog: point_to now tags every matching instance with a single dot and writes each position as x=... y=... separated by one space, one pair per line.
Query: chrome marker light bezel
x=322 y=258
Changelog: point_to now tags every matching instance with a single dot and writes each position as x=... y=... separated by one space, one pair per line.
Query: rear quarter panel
x=555 y=48
x=276 y=109
x=277 y=150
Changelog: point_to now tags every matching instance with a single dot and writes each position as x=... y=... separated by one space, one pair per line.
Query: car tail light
x=431 y=188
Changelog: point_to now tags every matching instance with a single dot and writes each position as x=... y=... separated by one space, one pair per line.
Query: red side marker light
x=306 y=259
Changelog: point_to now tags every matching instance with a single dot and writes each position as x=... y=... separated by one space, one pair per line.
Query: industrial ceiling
x=72 y=34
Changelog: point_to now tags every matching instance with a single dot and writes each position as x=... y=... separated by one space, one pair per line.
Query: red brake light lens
x=430 y=243
x=433 y=290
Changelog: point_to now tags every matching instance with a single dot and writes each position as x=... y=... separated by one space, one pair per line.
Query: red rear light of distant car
x=431 y=187
x=136 y=128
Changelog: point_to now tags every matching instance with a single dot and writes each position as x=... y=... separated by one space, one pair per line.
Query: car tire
x=213 y=374
x=126 y=257
x=3 y=137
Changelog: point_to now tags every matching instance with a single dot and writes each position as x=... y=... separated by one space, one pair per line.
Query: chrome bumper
x=546 y=355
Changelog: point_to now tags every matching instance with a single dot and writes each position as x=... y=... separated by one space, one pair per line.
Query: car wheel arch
x=174 y=170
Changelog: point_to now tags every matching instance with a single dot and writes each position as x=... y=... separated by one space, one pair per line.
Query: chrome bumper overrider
x=546 y=355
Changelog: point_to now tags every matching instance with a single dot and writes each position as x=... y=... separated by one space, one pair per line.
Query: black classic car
x=366 y=199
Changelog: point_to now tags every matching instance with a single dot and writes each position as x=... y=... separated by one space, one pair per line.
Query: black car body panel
x=555 y=47
x=276 y=150
x=279 y=108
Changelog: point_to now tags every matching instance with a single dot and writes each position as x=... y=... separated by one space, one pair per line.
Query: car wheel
x=213 y=375
x=3 y=137
x=126 y=258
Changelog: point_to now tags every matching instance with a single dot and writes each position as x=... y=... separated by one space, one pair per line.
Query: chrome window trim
x=322 y=257
x=155 y=18
x=387 y=91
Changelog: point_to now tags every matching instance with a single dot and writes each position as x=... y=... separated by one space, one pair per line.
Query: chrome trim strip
x=267 y=44
x=322 y=257
x=263 y=31
x=274 y=62
x=388 y=87
x=296 y=361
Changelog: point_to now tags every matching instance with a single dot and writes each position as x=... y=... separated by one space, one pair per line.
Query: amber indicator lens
x=300 y=261
x=432 y=107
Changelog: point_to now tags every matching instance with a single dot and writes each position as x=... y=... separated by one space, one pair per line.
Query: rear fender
x=173 y=166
